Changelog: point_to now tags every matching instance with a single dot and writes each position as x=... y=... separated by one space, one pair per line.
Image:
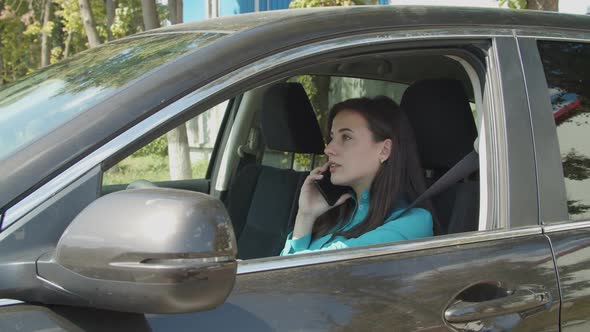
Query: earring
x=381 y=161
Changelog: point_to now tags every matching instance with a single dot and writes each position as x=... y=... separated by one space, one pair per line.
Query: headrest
x=288 y=120
x=442 y=121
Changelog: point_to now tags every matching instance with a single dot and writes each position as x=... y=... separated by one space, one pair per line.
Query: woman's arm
x=416 y=223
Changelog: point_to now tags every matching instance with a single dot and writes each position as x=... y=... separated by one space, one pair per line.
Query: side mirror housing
x=150 y=250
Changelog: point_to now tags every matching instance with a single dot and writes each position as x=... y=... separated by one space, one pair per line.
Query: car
x=114 y=216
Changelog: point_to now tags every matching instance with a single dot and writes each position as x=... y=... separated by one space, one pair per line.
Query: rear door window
x=567 y=69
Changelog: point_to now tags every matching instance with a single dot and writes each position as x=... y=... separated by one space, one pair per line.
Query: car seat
x=445 y=131
x=263 y=200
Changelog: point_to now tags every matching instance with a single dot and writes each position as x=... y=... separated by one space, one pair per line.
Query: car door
x=489 y=280
x=557 y=70
x=499 y=278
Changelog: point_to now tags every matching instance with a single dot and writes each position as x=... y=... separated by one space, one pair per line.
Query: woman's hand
x=312 y=204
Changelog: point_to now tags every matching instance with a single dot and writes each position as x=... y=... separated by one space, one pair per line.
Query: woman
x=372 y=150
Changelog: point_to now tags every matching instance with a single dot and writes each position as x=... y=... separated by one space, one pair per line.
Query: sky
x=574 y=6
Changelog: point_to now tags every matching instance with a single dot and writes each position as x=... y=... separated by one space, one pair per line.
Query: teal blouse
x=416 y=223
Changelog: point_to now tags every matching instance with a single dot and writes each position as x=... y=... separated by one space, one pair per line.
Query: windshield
x=39 y=103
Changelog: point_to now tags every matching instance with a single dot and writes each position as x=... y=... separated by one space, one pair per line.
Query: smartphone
x=329 y=191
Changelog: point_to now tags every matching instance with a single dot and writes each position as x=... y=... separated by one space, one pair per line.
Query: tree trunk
x=88 y=21
x=1 y=67
x=193 y=127
x=150 y=15
x=547 y=5
x=180 y=11
x=68 y=45
x=45 y=35
x=173 y=12
x=178 y=154
x=211 y=9
x=320 y=100
x=110 y=6
x=178 y=148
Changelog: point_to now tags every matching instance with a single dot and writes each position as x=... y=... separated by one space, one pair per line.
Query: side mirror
x=151 y=250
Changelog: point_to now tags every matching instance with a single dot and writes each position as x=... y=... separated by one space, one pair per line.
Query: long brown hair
x=399 y=178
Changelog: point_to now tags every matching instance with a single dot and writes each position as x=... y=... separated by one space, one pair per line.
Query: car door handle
x=522 y=299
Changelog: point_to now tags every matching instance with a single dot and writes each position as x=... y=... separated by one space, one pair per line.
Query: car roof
x=271 y=31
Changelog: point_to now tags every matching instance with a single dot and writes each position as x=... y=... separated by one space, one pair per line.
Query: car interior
x=259 y=170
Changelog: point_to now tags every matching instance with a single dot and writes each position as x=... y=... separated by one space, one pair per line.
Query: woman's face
x=353 y=154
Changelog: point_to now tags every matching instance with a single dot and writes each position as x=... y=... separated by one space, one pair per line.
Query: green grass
x=151 y=167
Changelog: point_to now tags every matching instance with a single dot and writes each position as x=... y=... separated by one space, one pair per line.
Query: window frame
x=266 y=70
x=270 y=263
x=552 y=194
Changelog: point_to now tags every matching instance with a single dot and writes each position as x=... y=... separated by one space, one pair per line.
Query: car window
x=451 y=106
x=181 y=154
x=41 y=102
x=567 y=69
x=261 y=196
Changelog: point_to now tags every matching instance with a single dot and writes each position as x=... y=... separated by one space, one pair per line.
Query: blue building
x=195 y=10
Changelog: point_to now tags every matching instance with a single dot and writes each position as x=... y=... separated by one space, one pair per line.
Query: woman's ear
x=386 y=150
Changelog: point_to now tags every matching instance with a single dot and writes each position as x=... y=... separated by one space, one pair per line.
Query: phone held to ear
x=329 y=191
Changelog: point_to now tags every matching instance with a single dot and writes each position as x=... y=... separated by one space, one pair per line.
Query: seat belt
x=466 y=166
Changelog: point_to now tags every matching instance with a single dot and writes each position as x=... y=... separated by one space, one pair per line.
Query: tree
x=46 y=34
x=178 y=149
x=175 y=11
x=36 y=33
x=328 y=3
x=89 y=24
x=318 y=87
x=20 y=38
x=1 y=61
x=547 y=5
x=150 y=14
x=110 y=7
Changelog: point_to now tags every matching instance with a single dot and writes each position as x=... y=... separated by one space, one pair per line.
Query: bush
x=159 y=147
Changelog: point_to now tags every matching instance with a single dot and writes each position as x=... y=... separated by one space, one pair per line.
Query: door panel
x=398 y=292
x=24 y=317
x=558 y=97
x=572 y=250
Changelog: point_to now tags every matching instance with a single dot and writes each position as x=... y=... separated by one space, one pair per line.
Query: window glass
x=567 y=68
x=277 y=159
x=182 y=153
x=35 y=105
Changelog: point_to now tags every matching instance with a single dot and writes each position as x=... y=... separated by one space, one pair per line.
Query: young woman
x=372 y=150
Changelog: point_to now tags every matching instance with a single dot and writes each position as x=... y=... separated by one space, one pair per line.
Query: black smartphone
x=329 y=191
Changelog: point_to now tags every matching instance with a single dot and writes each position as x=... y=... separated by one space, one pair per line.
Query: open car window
x=431 y=101
x=182 y=154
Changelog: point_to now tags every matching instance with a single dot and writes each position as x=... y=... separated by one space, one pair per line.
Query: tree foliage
x=326 y=3
x=21 y=29
x=549 y=5
x=514 y=4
